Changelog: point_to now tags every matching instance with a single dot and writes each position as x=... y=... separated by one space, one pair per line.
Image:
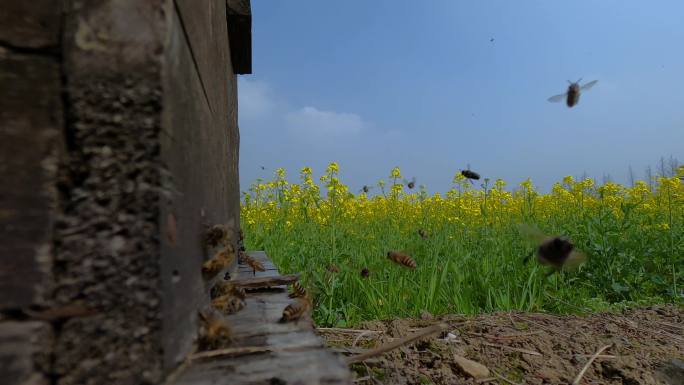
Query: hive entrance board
x=292 y=353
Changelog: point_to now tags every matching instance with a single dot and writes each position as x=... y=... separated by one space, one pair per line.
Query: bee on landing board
x=555 y=251
x=212 y=267
x=228 y=304
x=214 y=332
x=296 y=310
x=401 y=259
x=227 y=288
x=298 y=290
x=572 y=95
x=251 y=262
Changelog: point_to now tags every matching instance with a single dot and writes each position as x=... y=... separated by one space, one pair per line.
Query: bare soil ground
x=647 y=347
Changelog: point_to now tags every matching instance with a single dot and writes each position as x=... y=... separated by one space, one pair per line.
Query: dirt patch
x=647 y=347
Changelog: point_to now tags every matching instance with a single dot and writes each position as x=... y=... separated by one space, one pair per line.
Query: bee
x=296 y=309
x=297 y=290
x=228 y=304
x=253 y=263
x=557 y=251
x=572 y=95
x=410 y=184
x=332 y=268
x=216 y=235
x=227 y=255
x=214 y=332
x=365 y=273
x=226 y=288
x=470 y=174
x=401 y=259
x=212 y=267
x=365 y=189
x=423 y=234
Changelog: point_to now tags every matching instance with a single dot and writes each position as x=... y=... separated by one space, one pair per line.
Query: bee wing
x=574 y=260
x=589 y=85
x=558 y=98
x=532 y=233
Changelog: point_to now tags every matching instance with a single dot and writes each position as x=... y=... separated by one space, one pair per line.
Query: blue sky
x=419 y=85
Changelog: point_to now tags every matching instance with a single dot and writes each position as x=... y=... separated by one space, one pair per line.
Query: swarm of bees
x=401 y=259
x=572 y=95
x=555 y=251
x=296 y=310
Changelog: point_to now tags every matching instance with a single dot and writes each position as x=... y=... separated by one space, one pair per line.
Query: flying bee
x=555 y=251
x=365 y=273
x=365 y=189
x=212 y=267
x=401 y=259
x=410 y=184
x=470 y=175
x=297 y=290
x=227 y=288
x=214 y=332
x=332 y=268
x=423 y=234
x=228 y=304
x=572 y=95
x=296 y=309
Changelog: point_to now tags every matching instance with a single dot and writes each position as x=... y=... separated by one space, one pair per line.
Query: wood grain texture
x=297 y=354
x=25 y=352
x=30 y=24
x=30 y=144
x=199 y=148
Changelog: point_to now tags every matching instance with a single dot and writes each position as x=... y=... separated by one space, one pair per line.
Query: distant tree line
x=665 y=168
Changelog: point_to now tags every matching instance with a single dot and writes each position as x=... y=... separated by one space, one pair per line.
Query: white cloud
x=256 y=100
x=310 y=120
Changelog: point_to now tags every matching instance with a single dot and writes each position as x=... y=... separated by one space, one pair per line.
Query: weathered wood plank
x=30 y=145
x=314 y=366
x=30 y=24
x=264 y=282
x=25 y=352
x=207 y=33
x=290 y=351
x=194 y=136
